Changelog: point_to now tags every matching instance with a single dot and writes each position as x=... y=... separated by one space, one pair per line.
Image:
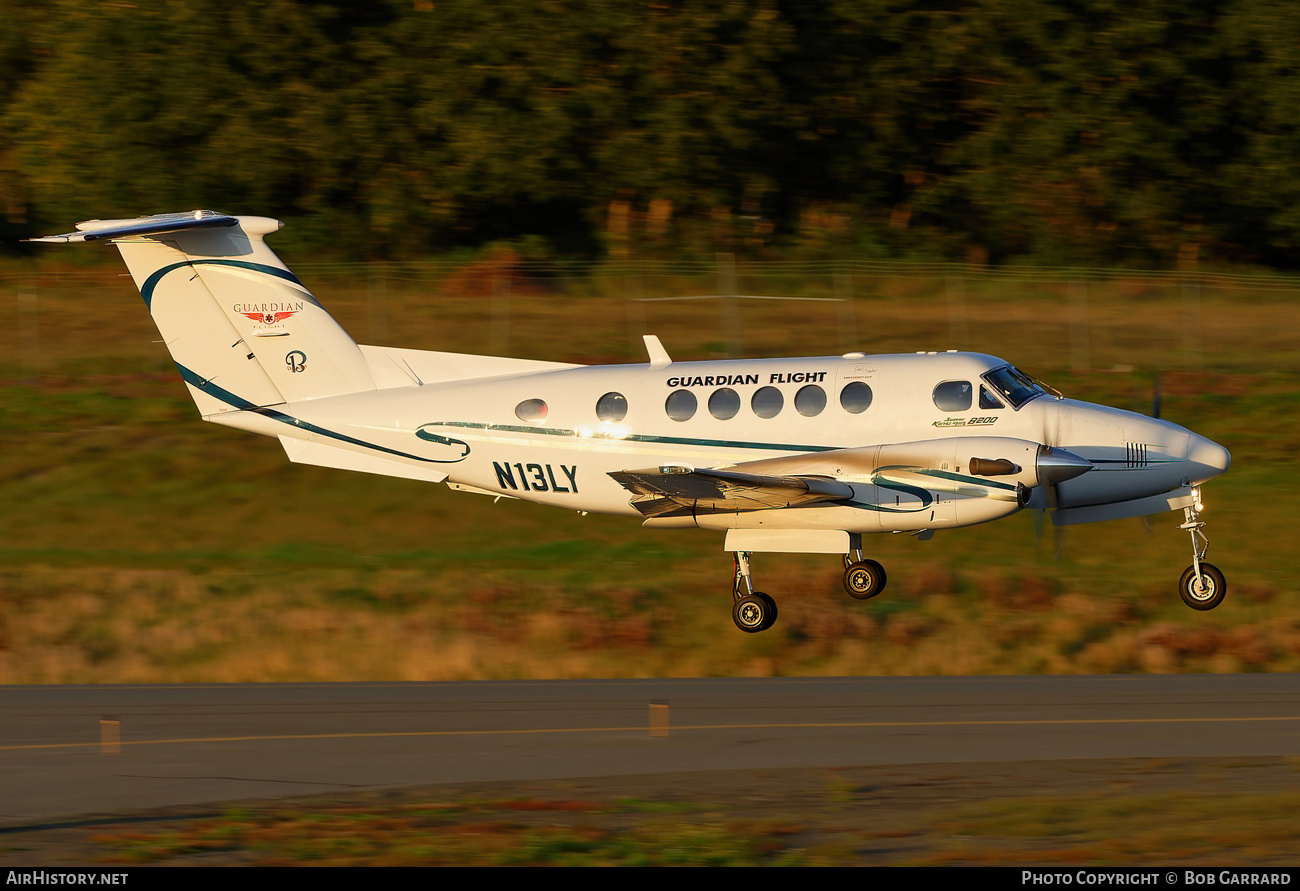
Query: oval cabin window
x=531 y=410
x=724 y=404
x=681 y=405
x=767 y=402
x=611 y=407
x=855 y=398
x=810 y=401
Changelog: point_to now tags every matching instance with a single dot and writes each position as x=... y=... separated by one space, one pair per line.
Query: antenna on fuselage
x=659 y=357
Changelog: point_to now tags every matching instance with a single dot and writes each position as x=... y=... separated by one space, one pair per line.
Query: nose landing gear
x=1202 y=585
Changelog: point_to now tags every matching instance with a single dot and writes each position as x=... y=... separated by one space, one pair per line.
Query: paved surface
x=183 y=745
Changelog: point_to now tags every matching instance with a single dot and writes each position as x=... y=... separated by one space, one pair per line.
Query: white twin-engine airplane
x=784 y=455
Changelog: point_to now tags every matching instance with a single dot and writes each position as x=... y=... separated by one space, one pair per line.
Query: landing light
x=1196 y=500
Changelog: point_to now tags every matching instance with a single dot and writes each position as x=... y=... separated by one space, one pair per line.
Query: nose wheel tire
x=864 y=579
x=754 y=612
x=1207 y=592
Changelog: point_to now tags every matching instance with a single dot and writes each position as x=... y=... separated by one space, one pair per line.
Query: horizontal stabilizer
x=157 y=224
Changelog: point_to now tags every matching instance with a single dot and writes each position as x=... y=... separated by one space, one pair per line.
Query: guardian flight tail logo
x=268 y=318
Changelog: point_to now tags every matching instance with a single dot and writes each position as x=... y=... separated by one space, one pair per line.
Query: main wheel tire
x=771 y=619
x=864 y=579
x=1205 y=593
x=752 y=613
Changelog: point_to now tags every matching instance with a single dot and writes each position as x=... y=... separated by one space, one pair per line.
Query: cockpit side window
x=953 y=396
x=988 y=400
x=1014 y=385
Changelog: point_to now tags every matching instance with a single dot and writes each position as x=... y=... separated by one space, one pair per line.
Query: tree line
x=1150 y=132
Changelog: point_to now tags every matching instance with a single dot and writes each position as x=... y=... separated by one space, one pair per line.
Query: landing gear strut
x=751 y=610
x=863 y=579
x=1202 y=585
x=754 y=611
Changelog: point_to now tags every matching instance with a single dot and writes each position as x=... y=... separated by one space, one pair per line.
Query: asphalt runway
x=191 y=745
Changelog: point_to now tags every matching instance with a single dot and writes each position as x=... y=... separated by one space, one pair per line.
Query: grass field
x=139 y=544
x=1207 y=812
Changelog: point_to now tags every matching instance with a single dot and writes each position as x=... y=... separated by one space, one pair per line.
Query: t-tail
x=243 y=330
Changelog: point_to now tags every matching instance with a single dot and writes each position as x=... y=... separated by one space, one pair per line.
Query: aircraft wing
x=895 y=477
x=679 y=492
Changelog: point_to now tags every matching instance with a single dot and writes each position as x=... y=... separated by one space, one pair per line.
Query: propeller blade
x=1156 y=398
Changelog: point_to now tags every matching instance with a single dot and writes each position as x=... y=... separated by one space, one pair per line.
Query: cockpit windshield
x=1016 y=386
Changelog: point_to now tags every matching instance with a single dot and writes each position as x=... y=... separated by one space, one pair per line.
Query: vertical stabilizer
x=241 y=327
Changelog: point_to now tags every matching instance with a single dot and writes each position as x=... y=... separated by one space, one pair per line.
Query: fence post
x=634 y=295
x=377 y=300
x=500 y=335
x=848 y=313
x=957 y=329
x=1192 y=358
x=730 y=312
x=1079 y=352
x=29 y=346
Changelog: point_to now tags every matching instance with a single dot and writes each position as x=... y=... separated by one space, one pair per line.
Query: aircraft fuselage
x=743 y=410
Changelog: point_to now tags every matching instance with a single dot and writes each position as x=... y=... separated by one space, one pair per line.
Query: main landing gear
x=863 y=579
x=1202 y=585
x=751 y=610
x=754 y=611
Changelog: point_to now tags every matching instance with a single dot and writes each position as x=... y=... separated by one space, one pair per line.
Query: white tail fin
x=240 y=326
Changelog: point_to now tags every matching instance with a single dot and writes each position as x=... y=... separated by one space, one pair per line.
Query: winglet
x=659 y=357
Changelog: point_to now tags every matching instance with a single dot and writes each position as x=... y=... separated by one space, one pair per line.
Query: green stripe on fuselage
x=635 y=437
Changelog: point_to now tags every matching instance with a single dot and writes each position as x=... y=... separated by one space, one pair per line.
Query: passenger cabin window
x=810 y=401
x=724 y=404
x=531 y=410
x=767 y=402
x=681 y=405
x=953 y=396
x=988 y=400
x=611 y=407
x=855 y=398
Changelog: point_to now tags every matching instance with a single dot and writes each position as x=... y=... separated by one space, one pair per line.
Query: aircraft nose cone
x=1209 y=459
